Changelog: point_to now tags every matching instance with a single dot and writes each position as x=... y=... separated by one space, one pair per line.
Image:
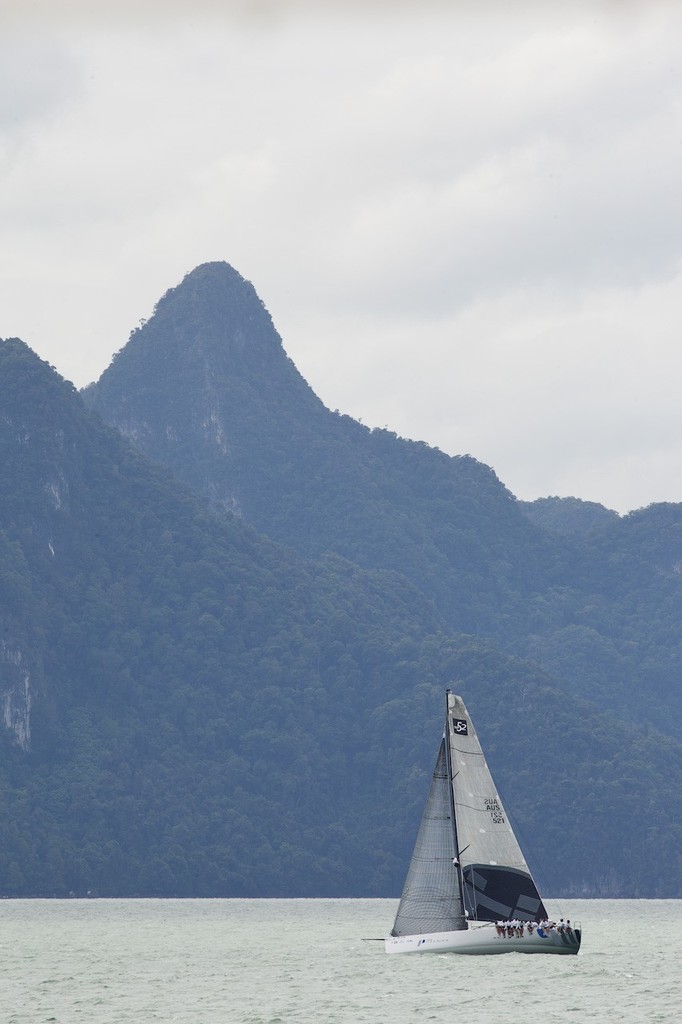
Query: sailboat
x=468 y=888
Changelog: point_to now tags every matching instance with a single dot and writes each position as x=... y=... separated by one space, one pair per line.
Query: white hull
x=483 y=940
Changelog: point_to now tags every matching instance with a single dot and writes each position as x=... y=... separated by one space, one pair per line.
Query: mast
x=451 y=790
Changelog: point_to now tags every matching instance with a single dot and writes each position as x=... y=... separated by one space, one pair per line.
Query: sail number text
x=492 y=806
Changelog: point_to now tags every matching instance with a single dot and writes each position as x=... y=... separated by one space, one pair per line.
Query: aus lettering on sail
x=492 y=805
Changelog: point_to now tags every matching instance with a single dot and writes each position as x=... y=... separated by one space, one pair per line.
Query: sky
x=465 y=218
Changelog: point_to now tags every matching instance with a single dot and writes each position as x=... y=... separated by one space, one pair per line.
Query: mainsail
x=496 y=882
x=431 y=899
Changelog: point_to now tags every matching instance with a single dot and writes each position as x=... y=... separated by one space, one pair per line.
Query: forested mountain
x=206 y=388
x=191 y=709
x=568 y=515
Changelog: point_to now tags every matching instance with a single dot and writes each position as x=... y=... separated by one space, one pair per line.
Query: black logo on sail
x=459 y=725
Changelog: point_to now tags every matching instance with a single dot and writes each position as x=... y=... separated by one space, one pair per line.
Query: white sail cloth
x=497 y=882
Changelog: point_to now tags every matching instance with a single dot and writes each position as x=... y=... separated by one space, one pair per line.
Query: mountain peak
x=214 y=311
x=212 y=323
x=214 y=284
x=21 y=370
x=208 y=365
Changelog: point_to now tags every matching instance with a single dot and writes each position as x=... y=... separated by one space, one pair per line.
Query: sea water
x=304 y=961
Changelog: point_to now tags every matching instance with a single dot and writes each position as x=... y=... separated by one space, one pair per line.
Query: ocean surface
x=304 y=961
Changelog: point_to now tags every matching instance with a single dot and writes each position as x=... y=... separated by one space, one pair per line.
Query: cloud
x=459 y=183
x=559 y=398
x=455 y=219
x=35 y=83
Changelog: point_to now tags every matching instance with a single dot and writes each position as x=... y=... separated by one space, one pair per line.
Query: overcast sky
x=464 y=218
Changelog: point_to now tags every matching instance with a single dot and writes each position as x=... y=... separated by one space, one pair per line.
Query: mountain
x=180 y=696
x=191 y=709
x=568 y=515
x=206 y=388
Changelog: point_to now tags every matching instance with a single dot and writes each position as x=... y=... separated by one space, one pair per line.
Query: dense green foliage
x=206 y=388
x=568 y=515
x=214 y=714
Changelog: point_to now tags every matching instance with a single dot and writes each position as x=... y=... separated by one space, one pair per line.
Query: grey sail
x=496 y=882
x=431 y=900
